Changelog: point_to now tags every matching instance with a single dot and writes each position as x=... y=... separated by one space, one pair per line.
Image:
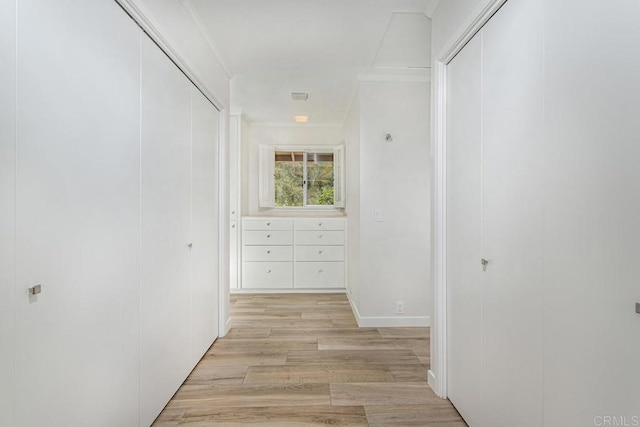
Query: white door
x=7 y=205
x=204 y=255
x=78 y=215
x=464 y=178
x=512 y=216
x=592 y=212
x=166 y=230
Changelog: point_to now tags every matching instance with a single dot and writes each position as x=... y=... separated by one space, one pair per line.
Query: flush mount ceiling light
x=300 y=96
x=301 y=119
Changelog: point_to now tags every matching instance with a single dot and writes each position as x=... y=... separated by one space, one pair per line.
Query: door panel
x=78 y=215
x=204 y=256
x=7 y=204
x=591 y=212
x=166 y=230
x=464 y=290
x=512 y=220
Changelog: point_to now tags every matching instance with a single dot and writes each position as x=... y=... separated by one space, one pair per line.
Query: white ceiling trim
x=197 y=19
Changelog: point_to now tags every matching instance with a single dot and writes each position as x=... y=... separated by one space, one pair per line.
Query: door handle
x=35 y=290
x=484 y=263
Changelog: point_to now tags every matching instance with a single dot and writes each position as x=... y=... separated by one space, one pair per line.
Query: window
x=301 y=178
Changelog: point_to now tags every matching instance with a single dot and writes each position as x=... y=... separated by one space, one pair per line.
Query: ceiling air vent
x=300 y=96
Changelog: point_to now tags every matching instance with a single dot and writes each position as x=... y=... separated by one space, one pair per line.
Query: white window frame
x=267 y=170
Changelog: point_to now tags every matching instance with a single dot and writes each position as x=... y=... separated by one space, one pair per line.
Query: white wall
x=388 y=261
x=300 y=136
x=7 y=205
x=394 y=177
x=352 y=164
x=244 y=165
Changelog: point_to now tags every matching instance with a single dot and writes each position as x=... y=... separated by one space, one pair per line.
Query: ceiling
x=274 y=47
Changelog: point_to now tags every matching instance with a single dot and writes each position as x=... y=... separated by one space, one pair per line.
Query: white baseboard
x=433 y=383
x=394 y=321
x=227 y=326
x=388 y=321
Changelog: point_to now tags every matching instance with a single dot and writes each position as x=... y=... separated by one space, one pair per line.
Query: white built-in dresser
x=293 y=253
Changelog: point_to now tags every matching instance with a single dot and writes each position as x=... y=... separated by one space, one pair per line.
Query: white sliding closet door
x=78 y=215
x=592 y=212
x=7 y=204
x=464 y=192
x=512 y=220
x=495 y=212
x=166 y=230
x=204 y=256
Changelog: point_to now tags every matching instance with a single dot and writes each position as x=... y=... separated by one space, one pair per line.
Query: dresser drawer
x=319 y=253
x=319 y=274
x=319 y=224
x=320 y=237
x=267 y=275
x=268 y=237
x=267 y=224
x=267 y=253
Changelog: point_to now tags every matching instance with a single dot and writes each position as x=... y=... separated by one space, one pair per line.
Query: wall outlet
x=399 y=307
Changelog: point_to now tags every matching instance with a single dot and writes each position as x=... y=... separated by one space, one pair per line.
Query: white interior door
x=512 y=218
x=166 y=230
x=78 y=215
x=204 y=256
x=592 y=211
x=7 y=204
x=464 y=191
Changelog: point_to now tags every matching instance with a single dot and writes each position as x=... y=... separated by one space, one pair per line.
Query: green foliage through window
x=303 y=179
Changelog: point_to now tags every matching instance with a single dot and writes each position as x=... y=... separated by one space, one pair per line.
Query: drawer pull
x=319 y=236
x=268 y=224
x=268 y=252
x=268 y=236
x=268 y=271
x=319 y=224
x=320 y=271
x=320 y=252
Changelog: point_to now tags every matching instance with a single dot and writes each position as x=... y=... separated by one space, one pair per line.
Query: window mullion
x=304 y=179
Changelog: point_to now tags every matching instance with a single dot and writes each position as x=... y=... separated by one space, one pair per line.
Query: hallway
x=302 y=360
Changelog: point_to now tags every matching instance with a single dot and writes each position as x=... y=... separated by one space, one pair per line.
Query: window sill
x=303 y=211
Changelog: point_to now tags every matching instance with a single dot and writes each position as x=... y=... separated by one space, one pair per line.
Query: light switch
x=377 y=215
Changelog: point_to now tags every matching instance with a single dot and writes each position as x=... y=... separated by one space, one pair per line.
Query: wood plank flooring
x=301 y=360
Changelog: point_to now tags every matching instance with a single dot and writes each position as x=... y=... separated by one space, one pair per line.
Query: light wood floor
x=301 y=360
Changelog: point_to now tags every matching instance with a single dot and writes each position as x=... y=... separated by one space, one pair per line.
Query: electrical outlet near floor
x=399 y=307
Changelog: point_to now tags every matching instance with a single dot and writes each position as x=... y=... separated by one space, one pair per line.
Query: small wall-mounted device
x=388 y=137
x=638 y=307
